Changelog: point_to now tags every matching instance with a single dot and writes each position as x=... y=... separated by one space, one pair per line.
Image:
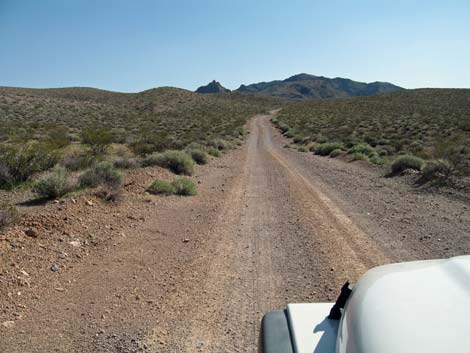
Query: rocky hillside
x=212 y=87
x=304 y=86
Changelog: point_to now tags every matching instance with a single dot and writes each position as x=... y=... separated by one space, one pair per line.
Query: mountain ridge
x=305 y=86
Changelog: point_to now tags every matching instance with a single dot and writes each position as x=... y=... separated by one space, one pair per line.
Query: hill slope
x=304 y=86
x=429 y=123
x=179 y=115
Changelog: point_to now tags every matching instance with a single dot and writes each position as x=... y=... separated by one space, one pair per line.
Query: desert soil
x=269 y=226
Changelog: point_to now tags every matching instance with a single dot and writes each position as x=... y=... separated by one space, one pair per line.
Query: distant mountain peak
x=212 y=87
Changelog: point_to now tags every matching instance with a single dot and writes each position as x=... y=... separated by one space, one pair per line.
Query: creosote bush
x=102 y=173
x=376 y=159
x=19 y=164
x=178 y=162
x=126 y=163
x=407 y=161
x=437 y=169
x=179 y=186
x=324 y=149
x=358 y=156
x=335 y=153
x=214 y=152
x=198 y=155
x=77 y=160
x=54 y=184
x=99 y=139
x=364 y=149
x=162 y=187
x=184 y=187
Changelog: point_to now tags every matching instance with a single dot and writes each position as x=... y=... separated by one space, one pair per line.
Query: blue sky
x=139 y=44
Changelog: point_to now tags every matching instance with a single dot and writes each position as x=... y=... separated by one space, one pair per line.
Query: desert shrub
x=289 y=133
x=358 y=156
x=162 y=187
x=324 y=149
x=126 y=163
x=99 y=139
x=371 y=140
x=298 y=139
x=381 y=151
x=8 y=215
x=438 y=169
x=364 y=149
x=382 y=141
x=376 y=159
x=77 y=160
x=312 y=146
x=178 y=162
x=6 y=180
x=335 y=153
x=58 y=137
x=406 y=161
x=184 y=187
x=213 y=152
x=102 y=173
x=457 y=153
x=302 y=149
x=54 y=184
x=220 y=144
x=415 y=147
x=321 y=139
x=198 y=155
x=121 y=151
x=109 y=193
x=179 y=186
x=19 y=164
x=283 y=127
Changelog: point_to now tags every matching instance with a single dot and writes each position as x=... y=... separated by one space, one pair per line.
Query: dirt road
x=270 y=226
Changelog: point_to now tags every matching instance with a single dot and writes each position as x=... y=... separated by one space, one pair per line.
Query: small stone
x=55 y=267
x=75 y=243
x=8 y=324
x=185 y=240
x=89 y=202
x=31 y=233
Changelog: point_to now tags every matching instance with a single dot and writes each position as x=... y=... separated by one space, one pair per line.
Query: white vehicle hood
x=311 y=331
x=413 y=307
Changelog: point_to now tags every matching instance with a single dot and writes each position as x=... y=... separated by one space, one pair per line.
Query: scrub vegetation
x=427 y=130
x=93 y=133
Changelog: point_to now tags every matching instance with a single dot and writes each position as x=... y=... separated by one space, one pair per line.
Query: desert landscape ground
x=170 y=221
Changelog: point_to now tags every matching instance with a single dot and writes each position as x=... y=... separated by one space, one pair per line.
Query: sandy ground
x=169 y=274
